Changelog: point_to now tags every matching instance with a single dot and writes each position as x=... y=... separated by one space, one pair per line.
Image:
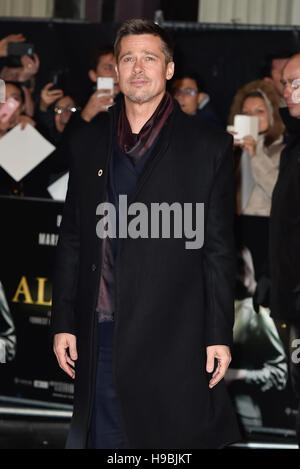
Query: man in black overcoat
x=144 y=318
x=285 y=225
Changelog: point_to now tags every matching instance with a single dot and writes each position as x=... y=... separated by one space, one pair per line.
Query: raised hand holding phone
x=7 y=110
x=105 y=83
x=100 y=100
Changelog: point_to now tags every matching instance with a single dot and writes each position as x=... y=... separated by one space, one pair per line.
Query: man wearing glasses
x=284 y=251
x=187 y=89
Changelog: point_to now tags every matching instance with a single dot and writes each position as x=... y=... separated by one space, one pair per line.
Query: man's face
x=276 y=73
x=142 y=68
x=106 y=68
x=291 y=72
x=187 y=94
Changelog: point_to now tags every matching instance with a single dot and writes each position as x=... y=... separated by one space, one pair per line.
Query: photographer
x=103 y=64
x=36 y=182
x=257 y=162
x=15 y=91
x=54 y=112
x=23 y=72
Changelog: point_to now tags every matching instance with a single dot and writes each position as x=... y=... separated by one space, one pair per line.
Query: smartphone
x=57 y=78
x=7 y=110
x=245 y=125
x=2 y=91
x=105 y=83
x=17 y=49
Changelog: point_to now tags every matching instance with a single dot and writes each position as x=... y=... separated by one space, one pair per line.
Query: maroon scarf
x=135 y=147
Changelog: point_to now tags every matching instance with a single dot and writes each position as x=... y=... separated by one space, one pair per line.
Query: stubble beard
x=139 y=99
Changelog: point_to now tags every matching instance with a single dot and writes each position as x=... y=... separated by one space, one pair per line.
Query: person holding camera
x=257 y=162
x=8 y=186
x=103 y=64
x=54 y=112
x=23 y=72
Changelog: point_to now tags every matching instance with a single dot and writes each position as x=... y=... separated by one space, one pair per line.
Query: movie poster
x=258 y=378
x=28 y=238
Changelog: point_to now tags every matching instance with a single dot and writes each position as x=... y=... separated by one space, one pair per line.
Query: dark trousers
x=105 y=430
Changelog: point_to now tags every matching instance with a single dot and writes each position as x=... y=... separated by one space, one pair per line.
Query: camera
x=15 y=50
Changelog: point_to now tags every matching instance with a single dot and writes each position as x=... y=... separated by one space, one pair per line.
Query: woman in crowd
x=53 y=118
x=260 y=365
x=8 y=186
x=54 y=112
x=257 y=162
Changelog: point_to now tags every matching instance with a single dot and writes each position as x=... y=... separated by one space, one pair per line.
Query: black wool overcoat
x=171 y=302
x=284 y=246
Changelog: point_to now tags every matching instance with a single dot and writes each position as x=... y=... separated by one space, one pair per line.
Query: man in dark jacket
x=285 y=225
x=188 y=89
x=147 y=316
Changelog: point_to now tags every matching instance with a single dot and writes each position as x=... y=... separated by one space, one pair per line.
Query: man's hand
x=11 y=38
x=98 y=102
x=64 y=347
x=223 y=356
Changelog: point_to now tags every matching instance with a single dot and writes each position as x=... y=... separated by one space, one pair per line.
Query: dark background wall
x=226 y=57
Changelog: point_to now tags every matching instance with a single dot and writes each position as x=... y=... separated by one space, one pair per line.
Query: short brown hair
x=141 y=26
x=98 y=53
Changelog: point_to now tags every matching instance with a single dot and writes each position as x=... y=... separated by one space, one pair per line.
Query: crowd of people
x=52 y=109
x=56 y=113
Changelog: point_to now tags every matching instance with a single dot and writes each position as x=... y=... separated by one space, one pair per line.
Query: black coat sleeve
x=65 y=278
x=219 y=252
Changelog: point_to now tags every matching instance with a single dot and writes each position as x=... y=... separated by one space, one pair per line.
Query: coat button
x=100 y=172
x=94 y=267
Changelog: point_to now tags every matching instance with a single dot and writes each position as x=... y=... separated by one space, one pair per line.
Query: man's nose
x=287 y=93
x=138 y=66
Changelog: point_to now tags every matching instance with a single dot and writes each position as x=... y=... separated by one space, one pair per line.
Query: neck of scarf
x=135 y=146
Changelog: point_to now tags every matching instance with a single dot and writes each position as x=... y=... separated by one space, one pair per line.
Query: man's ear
x=201 y=96
x=268 y=80
x=170 y=70
x=92 y=76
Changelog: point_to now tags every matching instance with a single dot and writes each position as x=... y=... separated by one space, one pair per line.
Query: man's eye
x=149 y=58
x=127 y=59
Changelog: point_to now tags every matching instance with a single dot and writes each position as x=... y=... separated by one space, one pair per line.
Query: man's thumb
x=210 y=362
x=73 y=350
